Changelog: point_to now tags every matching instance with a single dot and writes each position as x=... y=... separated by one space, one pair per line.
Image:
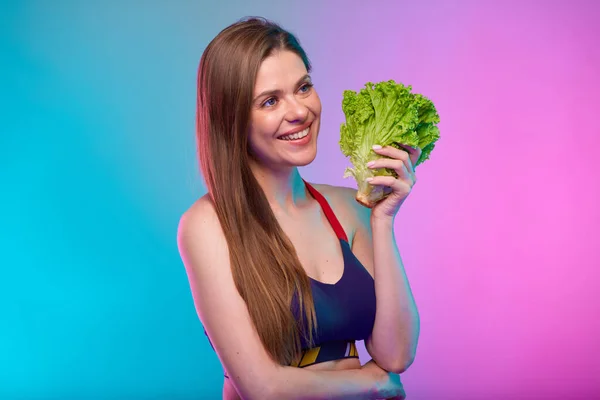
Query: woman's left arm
x=393 y=342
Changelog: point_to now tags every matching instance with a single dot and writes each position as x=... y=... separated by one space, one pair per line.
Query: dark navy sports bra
x=345 y=311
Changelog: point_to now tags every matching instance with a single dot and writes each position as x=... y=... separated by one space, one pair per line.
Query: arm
x=223 y=312
x=393 y=341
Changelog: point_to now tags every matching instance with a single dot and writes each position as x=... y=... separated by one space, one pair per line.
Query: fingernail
x=370 y=163
x=376 y=147
x=369 y=179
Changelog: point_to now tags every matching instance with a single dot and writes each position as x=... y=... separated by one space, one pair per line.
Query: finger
x=396 y=185
x=397 y=154
x=410 y=149
x=414 y=152
x=397 y=165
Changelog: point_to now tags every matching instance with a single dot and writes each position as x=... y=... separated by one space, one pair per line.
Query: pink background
x=500 y=235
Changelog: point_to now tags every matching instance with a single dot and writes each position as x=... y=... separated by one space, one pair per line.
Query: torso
x=320 y=254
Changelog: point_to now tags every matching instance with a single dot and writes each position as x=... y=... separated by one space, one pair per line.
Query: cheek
x=256 y=145
x=263 y=129
x=316 y=104
x=265 y=124
x=270 y=123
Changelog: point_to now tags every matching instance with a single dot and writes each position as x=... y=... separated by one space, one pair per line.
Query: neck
x=284 y=189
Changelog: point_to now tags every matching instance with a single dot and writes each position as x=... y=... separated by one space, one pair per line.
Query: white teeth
x=296 y=136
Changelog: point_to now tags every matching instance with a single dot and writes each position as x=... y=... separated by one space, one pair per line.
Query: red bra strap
x=335 y=224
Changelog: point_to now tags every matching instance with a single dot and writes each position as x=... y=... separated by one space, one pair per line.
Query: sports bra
x=345 y=310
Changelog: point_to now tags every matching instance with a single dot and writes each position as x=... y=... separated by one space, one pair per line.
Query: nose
x=297 y=111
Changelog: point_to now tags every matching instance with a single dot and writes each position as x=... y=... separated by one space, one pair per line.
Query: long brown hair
x=264 y=263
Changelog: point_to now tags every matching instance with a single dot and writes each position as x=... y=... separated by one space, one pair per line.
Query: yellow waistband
x=327 y=352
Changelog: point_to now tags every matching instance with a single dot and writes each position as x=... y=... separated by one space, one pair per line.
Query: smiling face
x=285 y=115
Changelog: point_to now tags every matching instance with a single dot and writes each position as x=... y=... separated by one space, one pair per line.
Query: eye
x=269 y=102
x=306 y=87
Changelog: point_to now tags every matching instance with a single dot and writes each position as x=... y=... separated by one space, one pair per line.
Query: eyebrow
x=277 y=91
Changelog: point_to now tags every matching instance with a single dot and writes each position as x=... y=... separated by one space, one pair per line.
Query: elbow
x=399 y=364
x=403 y=365
x=396 y=361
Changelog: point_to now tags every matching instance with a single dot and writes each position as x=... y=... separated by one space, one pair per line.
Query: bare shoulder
x=344 y=199
x=337 y=192
x=202 y=210
x=343 y=202
x=199 y=227
x=202 y=245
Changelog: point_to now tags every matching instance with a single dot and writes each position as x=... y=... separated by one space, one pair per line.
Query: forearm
x=303 y=384
x=395 y=334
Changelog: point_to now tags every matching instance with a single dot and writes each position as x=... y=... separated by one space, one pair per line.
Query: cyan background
x=97 y=163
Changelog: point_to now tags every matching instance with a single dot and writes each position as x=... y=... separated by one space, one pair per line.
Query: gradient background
x=97 y=163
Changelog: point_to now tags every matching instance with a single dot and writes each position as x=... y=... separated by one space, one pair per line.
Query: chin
x=302 y=160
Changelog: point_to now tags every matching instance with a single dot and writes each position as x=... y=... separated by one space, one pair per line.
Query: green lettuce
x=386 y=114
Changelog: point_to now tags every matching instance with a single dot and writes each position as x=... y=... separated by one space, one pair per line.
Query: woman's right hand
x=388 y=384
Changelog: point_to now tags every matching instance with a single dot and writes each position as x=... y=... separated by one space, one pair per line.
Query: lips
x=296 y=136
x=296 y=130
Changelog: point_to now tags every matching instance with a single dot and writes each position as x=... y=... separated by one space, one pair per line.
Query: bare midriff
x=229 y=392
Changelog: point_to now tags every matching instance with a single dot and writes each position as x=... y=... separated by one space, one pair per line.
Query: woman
x=284 y=273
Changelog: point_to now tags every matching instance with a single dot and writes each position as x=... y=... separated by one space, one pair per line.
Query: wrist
x=382 y=223
x=377 y=377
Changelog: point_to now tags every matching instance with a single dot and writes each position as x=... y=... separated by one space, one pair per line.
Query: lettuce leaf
x=385 y=113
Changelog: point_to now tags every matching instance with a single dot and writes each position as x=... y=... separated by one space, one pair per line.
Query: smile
x=297 y=135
